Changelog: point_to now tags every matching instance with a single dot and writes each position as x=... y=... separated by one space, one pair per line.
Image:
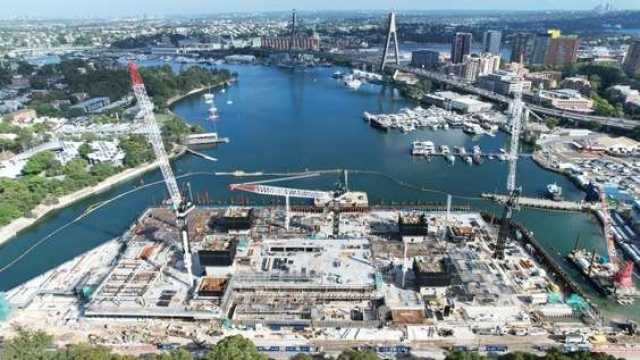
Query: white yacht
x=352 y=82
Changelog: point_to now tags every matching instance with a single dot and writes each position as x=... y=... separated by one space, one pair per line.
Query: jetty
x=541 y=203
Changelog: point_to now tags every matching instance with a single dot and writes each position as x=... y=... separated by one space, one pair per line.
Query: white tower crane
x=517 y=112
x=151 y=129
x=287 y=193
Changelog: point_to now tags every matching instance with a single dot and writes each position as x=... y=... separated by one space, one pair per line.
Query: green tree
x=137 y=150
x=39 y=163
x=173 y=355
x=175 y=129
x=84 y=150
x=102 y=171
x=25 y=69
x=87 y=352
x=5 y=75
x=358 y=355
x=635 y=133
x=464 y=355
x=76 y=169
x=301 y=357
x=552 y=122
x=235 y=348
x=32 y=345
x=603 y=107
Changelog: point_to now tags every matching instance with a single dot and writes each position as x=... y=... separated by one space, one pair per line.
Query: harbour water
x=283 y=120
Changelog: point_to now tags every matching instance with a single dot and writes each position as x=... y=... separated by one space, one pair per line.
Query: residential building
x=455 y=101
x=284 y=42
x=479 y=65
x=492 y=42
x=521 y=47
x=632 y=59
x=562 y=51
x=564 y=99
x=425 y=59
x=460 y=47
x=539 y=50
x=627 y=95
x=503 y=82
x=21 y=117
x=578 y=83
x=544 y=79
x=93 y=104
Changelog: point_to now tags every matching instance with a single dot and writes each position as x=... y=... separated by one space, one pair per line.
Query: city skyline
x=121 y=8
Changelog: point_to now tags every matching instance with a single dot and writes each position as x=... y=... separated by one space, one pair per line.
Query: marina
x=409 y=119
x=300 y=128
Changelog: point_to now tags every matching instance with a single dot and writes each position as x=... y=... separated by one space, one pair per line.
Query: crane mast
x=517 y=111
x=153 y=134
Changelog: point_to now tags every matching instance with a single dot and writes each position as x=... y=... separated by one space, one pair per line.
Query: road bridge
x=372 y=59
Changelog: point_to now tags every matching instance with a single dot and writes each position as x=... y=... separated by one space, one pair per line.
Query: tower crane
x=179 y=204
x=341 y=197
x=513 y=193
x=287 y=193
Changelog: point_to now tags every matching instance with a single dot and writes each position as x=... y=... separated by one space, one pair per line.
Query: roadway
x=467 y=87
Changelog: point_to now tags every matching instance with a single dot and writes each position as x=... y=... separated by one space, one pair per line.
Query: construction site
x=328 y=273
x=395 y=269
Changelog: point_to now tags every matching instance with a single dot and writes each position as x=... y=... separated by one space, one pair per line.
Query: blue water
x=282 y=120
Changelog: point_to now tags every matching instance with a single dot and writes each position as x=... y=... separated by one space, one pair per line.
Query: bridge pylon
x=392 y=34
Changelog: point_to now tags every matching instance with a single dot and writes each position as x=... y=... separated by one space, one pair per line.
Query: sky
x=114 y=8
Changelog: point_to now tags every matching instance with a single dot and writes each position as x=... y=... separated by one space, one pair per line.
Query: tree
x=635 y=133
x=552 y=122
x=464 y=355
x=102 y=171
x=87 y=352
x=76 y=169
x=358 y=355
x=235 y=348
x=175 y=129
x=25 y=69
x=84 y=150
x=5 y=75
x=173 y=355
x=137 y=150
x=27 y=345
x=39 y=163
x=301 y=357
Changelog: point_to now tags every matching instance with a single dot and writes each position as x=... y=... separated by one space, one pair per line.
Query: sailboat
x=213 y=112
x=208 y=97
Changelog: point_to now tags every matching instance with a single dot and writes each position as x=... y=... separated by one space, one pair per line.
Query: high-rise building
x=562 y=51
x=554 y=33
x=460 y=47
x=521 y=47
x=539 y=51
x=425 y=59
x=479 y=65
x=492 y=42
x=631 y=63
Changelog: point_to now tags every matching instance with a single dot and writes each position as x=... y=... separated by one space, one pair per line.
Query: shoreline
x=175 y=99
x=15 y=227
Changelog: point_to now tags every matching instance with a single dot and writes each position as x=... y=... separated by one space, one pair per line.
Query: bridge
x=371 y=60
x=540 y=203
